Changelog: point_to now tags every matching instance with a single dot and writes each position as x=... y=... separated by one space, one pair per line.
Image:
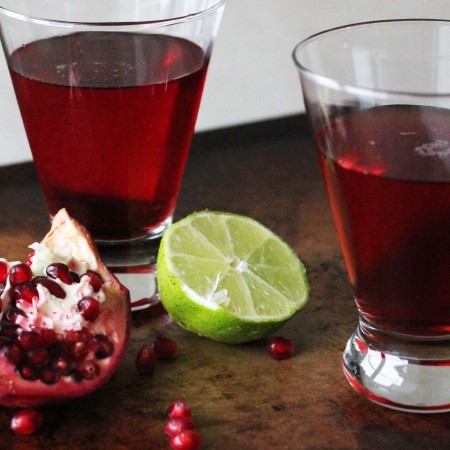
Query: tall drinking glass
x=109 y=92
x=378 y=98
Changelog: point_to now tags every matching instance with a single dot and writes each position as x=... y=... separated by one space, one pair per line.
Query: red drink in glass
x=109 y=118
x=388 y=180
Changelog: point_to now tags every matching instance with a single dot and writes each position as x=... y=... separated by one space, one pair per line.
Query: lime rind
x=228 y=277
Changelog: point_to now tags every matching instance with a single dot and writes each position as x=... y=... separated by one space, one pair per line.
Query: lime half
x=229 y=278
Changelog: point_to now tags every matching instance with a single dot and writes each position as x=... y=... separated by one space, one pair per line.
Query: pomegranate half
x=64 y=320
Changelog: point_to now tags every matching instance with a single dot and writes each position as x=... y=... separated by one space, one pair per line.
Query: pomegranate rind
x=115 y=322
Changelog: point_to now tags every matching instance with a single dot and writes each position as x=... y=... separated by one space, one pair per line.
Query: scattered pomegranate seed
x=20 y=273
x=145 y=360
x=178 y=424
x=26 y=421
x=4 y=269
x=179 y=408
x=186 y=440
x=89 y=308
x=280 y=348
x=165 y=348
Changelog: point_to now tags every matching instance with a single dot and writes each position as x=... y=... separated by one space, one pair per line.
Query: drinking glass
x=378 y=98
x=109 y=93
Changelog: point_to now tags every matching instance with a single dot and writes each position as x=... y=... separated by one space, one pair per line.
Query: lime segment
x=228 y=277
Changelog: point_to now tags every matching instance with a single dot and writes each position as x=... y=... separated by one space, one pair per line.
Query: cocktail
x=109 y=93
x=378 y=97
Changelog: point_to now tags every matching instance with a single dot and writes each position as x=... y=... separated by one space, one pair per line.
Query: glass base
x=415 y=377
x=133 y=252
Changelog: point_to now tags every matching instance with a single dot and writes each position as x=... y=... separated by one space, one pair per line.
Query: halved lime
x=229 y=278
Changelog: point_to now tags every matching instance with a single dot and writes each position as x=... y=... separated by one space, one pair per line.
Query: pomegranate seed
x=179 y=408
x=74 y=277
x=38 y=357
x=49 y=376
x=28 y=340
x=27 y=372
x=8 y=329
x=20 y=273
x=78 y=350
x=145 y=360
x=12 y=353
x=59 y=271
x=102 y=346
x=4 y=269
x=89 y=308
x=48 y=337
x=25 y=291
x=165 y=348
x=280 y=348
x=62 y=365
x=88 y=370
x=12 y=313
x=52 y=286
x=94 y=280
x=2 y=288
x=178 y=424
x=26 y=421
x=186 y=440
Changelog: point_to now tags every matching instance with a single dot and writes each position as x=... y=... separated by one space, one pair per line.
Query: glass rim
x=332 y=83
x=128 y=23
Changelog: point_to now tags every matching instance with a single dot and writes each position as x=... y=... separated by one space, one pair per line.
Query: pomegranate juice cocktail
x=109 y=98
x=378 y=96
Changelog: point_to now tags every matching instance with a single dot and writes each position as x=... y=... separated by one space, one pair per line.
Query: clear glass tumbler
x=109 y=93
x=378 y=98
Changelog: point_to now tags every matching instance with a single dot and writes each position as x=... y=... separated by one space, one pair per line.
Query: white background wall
x=251 y=76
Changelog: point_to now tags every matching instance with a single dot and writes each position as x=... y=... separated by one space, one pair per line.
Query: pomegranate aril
x=186 y=440
x=25 y=291
x=2 y=288
x=49 y=376
x=26 y=421
x=8 y=329
x=62 y=366
x=12 y=313
x=38 y=357
x=78 y=350
x=101 y=346
x=52 y=286
x=28 y=340
x=88 y=370
x=94 y=280
x=145 y=360
x=165 y=348
x=11 y=353
x=27 y=372
x=83 y=335
x=178 y=424
x=89 y=308
x=280 y=348
x=20 y=273
x=59 y=271
x=179 y=408
x=4 y=270
x=49 y=337
x=74 y=277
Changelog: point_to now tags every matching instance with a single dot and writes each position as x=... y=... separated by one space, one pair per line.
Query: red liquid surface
x=109 y=118
x=388 y=179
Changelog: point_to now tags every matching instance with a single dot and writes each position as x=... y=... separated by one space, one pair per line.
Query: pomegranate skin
x=114 y=322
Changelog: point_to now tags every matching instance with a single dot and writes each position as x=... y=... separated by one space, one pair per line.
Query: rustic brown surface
x=241 y=399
